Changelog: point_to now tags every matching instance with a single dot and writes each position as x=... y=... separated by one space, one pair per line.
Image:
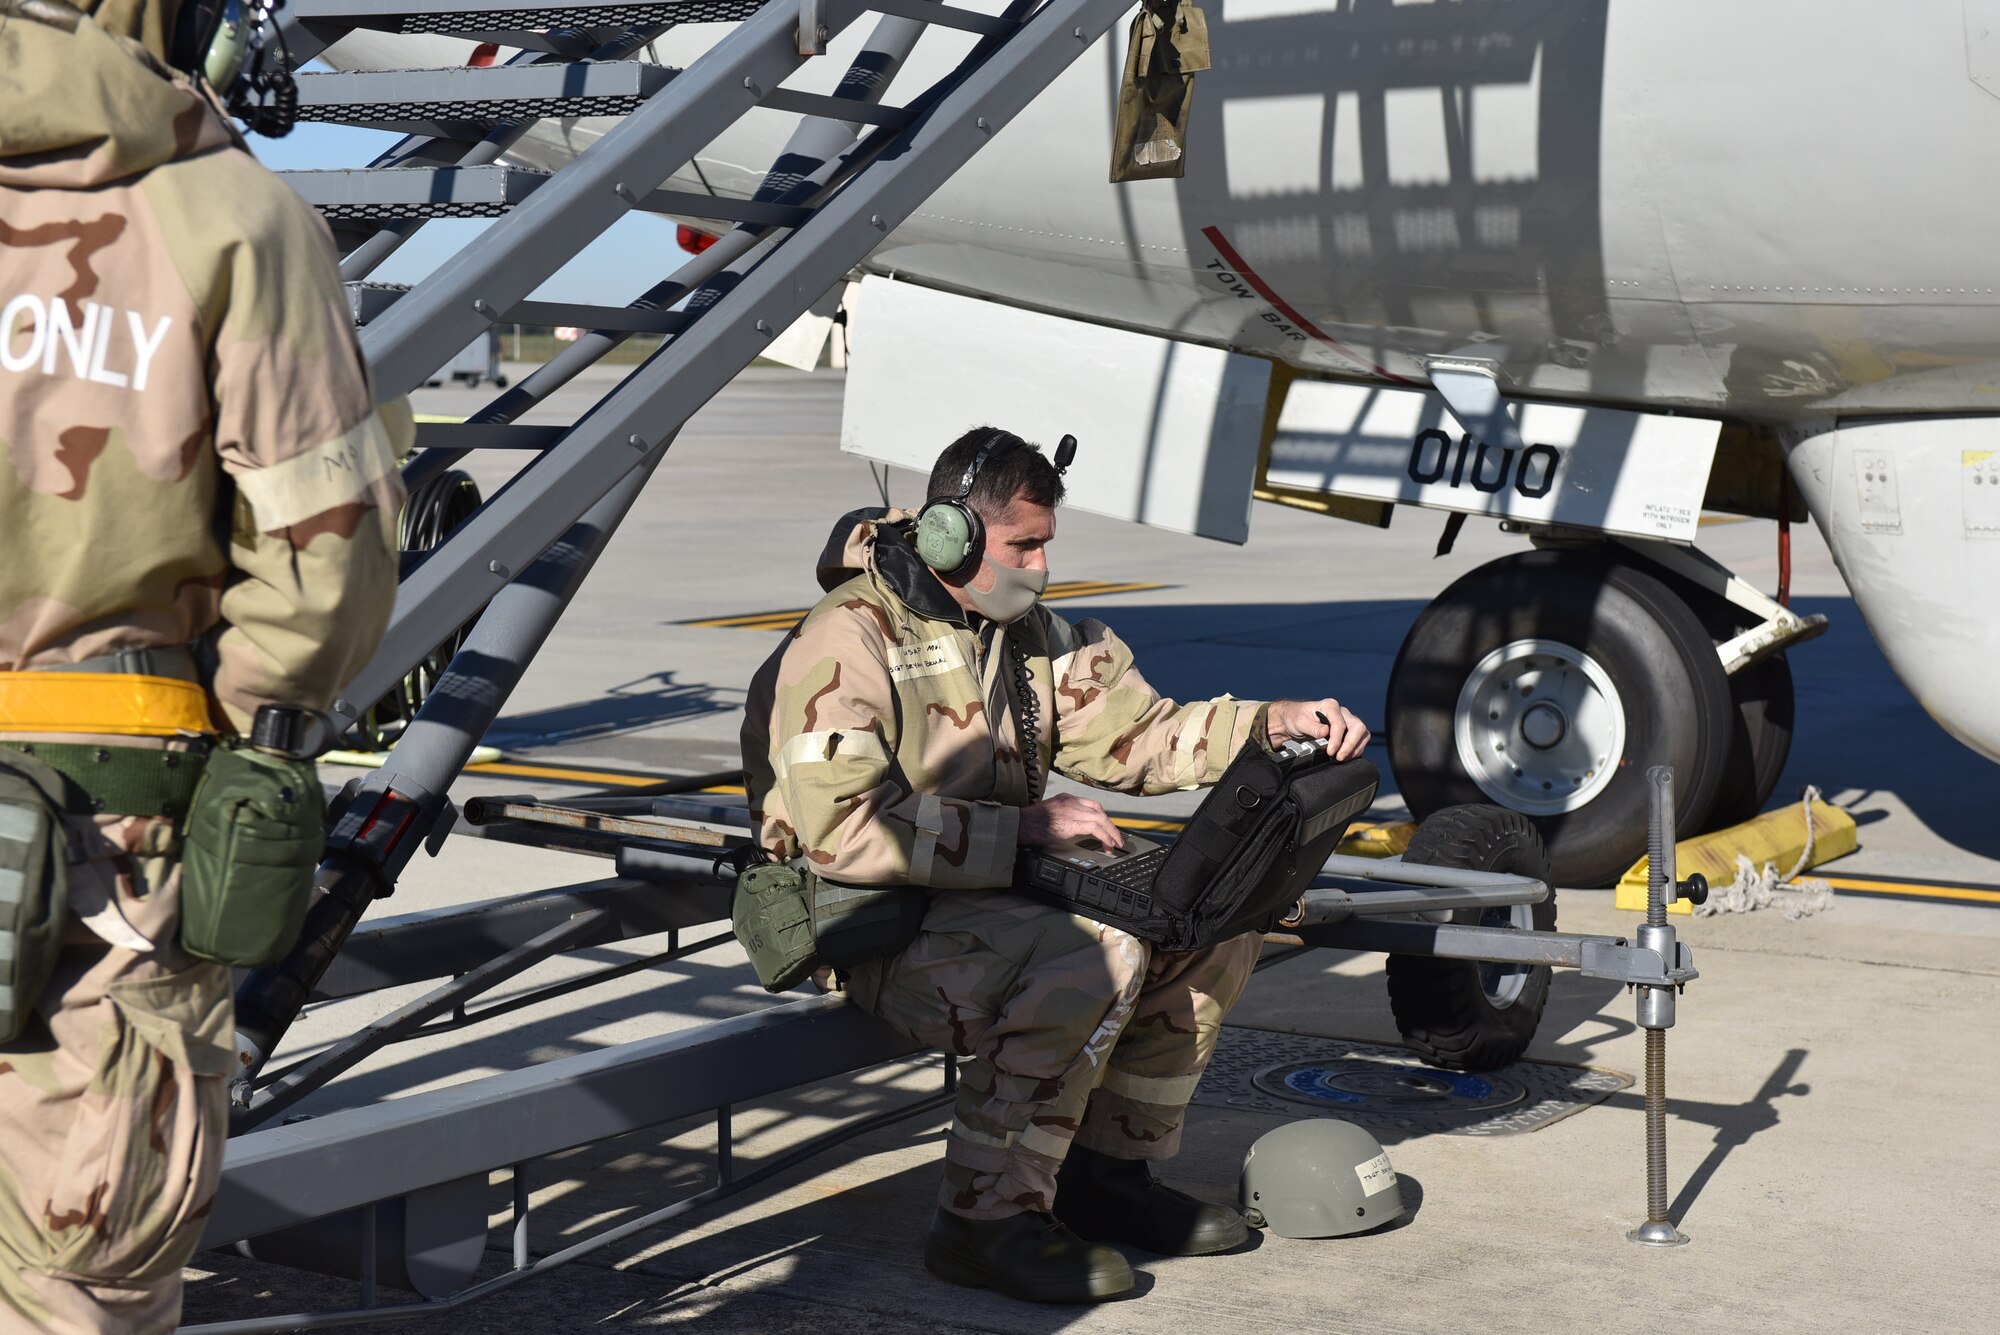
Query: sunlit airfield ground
x=1831 y=1138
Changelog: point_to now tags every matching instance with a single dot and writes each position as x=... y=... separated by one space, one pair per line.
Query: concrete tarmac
x=1829 y=1136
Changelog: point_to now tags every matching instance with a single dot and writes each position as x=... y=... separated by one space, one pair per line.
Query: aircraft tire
x=430 y=514
x=1464 y=1015
x=1761 y=737
x=1611 y=662
x=1760 y=743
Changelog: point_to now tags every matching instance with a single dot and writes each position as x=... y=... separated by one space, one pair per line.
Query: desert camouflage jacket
x=883 y=741
x=189 y=451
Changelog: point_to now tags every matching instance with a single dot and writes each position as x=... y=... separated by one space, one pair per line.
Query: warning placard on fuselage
x=1640 y=474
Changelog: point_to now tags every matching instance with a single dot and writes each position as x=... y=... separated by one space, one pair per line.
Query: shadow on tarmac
x=1734 y=1123
x=632 y=707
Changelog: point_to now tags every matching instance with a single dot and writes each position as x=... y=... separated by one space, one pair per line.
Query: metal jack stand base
x=1656 y=1004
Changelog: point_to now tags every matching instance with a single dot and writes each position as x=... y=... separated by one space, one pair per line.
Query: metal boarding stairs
x=853 y=170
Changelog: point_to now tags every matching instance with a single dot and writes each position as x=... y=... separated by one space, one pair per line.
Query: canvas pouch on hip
x=772 y=915
x=34 y=885
x=254 y=835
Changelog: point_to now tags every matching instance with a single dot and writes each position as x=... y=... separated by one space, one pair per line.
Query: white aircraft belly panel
x=1168 y=433
x=1641 y=474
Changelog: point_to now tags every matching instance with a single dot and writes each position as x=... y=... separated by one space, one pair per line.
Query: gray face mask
x=1014 y=593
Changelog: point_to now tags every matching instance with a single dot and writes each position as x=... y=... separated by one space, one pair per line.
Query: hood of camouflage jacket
x=84 y=108
x=876 y=542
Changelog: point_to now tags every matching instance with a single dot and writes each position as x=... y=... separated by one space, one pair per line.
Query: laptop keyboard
x=1135 y=873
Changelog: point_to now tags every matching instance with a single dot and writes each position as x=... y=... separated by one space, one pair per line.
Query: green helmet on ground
x=1319 y=1179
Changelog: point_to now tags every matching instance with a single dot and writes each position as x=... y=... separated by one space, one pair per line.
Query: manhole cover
x=1391 y=1089
x=1391 y=1086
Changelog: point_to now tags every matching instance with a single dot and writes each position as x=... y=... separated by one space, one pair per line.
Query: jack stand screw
x=1656 y=1011
x=1658 y=1230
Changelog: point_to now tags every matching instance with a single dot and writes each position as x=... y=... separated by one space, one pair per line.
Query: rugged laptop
x=1244 y=858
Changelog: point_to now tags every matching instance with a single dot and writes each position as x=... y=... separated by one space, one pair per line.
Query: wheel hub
x=1539 y=727
x=1543 y=725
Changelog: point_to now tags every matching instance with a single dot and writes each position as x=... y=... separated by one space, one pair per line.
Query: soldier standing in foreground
x=901 y=737
x=197 y=501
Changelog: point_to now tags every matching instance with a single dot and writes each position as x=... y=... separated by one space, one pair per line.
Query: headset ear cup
x=947 y=536
x=195 y=28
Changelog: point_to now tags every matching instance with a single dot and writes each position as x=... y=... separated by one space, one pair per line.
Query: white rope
x=1761 y=888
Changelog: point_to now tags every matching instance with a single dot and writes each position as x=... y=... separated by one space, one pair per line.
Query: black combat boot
x=1027 y=1255
x=1119 y=1200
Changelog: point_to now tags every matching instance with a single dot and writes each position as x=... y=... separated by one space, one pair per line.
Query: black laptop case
x=1249 y=852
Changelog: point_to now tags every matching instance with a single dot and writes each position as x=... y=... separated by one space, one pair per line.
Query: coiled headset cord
x=1030 y=718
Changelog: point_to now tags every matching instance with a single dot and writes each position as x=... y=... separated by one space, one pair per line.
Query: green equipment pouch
x=253 y=838
x=773 y=917
x=34 y=885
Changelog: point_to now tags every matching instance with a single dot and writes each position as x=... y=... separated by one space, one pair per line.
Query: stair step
x=365 y=301
x=946 y=16
x=620 y=319
x=436 y=101
x=355 y=194
x=493 y=19
x=486 y=436
x=360 y=194
x=837 y=108
x=368 y=300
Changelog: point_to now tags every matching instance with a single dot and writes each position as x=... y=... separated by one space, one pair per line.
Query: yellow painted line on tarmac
x=786 y=618
x=1915 y=889
x=610 y=778
x=1083 y=589
x=1371 y=838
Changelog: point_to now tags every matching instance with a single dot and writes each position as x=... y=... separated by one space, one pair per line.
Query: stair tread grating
x=487 y=16
x=497 y=93
x=487 y=112
x=366 y=194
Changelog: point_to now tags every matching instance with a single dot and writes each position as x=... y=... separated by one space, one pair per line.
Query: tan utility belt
x=121 y=704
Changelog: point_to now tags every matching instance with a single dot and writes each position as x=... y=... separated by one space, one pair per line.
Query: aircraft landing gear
x=1548 y=683
x=1762 y=694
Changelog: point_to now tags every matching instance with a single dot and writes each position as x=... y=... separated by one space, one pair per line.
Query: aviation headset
x=950 y=535
x=230 y=44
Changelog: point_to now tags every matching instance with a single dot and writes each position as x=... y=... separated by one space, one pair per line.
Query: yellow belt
x=118 y=703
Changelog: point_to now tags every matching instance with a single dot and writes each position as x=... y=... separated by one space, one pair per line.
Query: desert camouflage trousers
x=113 y=1112
x=1072 y=1031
